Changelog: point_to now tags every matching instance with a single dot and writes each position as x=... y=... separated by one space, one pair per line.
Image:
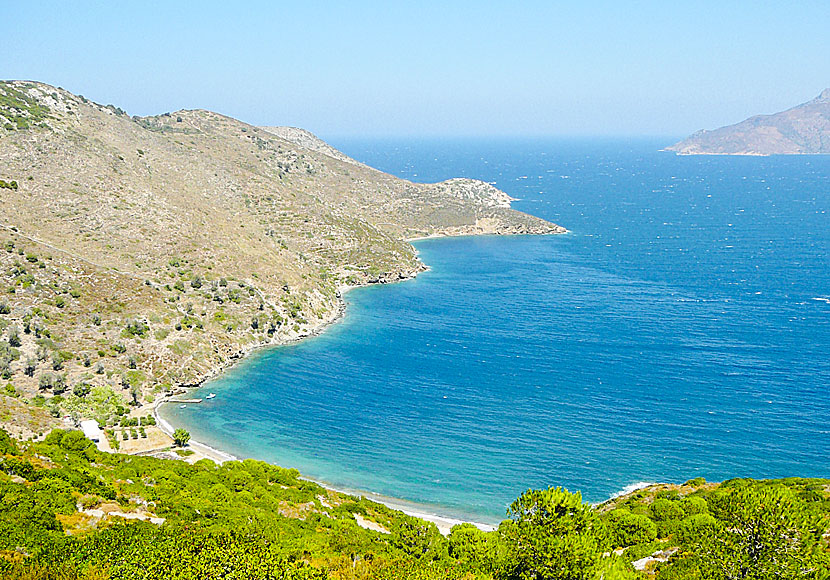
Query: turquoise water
x=681 y=329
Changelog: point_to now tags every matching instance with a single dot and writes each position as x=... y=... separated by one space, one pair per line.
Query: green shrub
x=7 y=444
x=665 y=509
x=81 y=390
x=628 y=529
x=75 y=441
x=135 y=328
x=694 y=505
x=695 y=526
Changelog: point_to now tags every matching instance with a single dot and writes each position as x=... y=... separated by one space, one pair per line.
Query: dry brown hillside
x=139 y=254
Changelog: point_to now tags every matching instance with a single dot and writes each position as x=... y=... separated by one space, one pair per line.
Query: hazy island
x=141 y=255
x=802 y=130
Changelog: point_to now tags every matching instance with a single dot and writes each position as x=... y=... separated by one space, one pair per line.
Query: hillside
x=69 y=511
x=142 y=254
x=804 y=129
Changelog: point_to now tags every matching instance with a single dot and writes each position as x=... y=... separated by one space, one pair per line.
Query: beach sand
x=202 y=451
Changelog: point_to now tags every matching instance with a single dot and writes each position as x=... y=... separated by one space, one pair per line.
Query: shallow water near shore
x=681 y=329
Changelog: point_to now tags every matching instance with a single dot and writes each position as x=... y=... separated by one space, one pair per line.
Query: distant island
x=802 y=130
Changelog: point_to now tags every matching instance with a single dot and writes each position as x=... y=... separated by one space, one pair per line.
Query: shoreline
x=443 y=522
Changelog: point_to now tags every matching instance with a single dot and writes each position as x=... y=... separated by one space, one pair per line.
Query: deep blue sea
x=681 y=329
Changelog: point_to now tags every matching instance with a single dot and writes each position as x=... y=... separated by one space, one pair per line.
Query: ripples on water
x=680 y=330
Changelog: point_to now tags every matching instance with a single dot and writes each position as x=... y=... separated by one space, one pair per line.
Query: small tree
x=761 y=532
x=181 y=437
x=46 y=381
x=81 y=390
x=14 y=337
x=553 y=535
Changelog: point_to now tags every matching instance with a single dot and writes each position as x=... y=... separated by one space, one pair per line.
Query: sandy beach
x=202 y=451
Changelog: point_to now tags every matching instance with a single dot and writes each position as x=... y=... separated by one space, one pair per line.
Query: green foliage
x=19 y=108
x=14 y=337
x=418 y=539
x=102 y=403
x=75 y=441
x=135 y=327
x=478 y=550
x=694 y=505
x=81 y=390
x=7 y=444
x=665 y=509
x=181 y=437
x=761 y=532
x=8 y=185
x=553 y=535
x=250 y=519
x=627 y=529
x=694 y=527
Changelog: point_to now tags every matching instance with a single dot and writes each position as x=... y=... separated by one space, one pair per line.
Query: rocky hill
x=804 y=129
x=138 y=254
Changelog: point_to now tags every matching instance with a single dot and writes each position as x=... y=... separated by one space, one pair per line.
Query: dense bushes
x=250 y=519
x=627 y=529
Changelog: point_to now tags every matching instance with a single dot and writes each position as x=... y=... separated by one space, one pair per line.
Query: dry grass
x=216 y=236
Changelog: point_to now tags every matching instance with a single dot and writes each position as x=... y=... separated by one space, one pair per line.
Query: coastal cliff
x=140 y=254
x=802 y=130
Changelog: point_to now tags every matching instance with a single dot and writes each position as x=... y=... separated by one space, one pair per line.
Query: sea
x=681 y=329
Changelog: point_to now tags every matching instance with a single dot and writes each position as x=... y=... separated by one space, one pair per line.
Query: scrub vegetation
x=70 y=511
x=139 y=256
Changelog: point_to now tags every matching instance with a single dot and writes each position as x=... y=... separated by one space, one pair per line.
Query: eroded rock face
x=802 y=130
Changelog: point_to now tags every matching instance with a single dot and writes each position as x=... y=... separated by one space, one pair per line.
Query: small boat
x=210 y=396
x=182 y=406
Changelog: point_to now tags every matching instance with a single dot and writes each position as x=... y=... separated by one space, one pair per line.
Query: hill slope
x=146 y=253
x=804 y=129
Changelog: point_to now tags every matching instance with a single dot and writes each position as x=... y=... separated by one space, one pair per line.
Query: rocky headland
x=140 y=255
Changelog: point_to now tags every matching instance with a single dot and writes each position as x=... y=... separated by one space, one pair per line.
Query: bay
x=680 y=329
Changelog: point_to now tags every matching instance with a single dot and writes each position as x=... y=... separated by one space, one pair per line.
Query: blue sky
x=432 y=68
